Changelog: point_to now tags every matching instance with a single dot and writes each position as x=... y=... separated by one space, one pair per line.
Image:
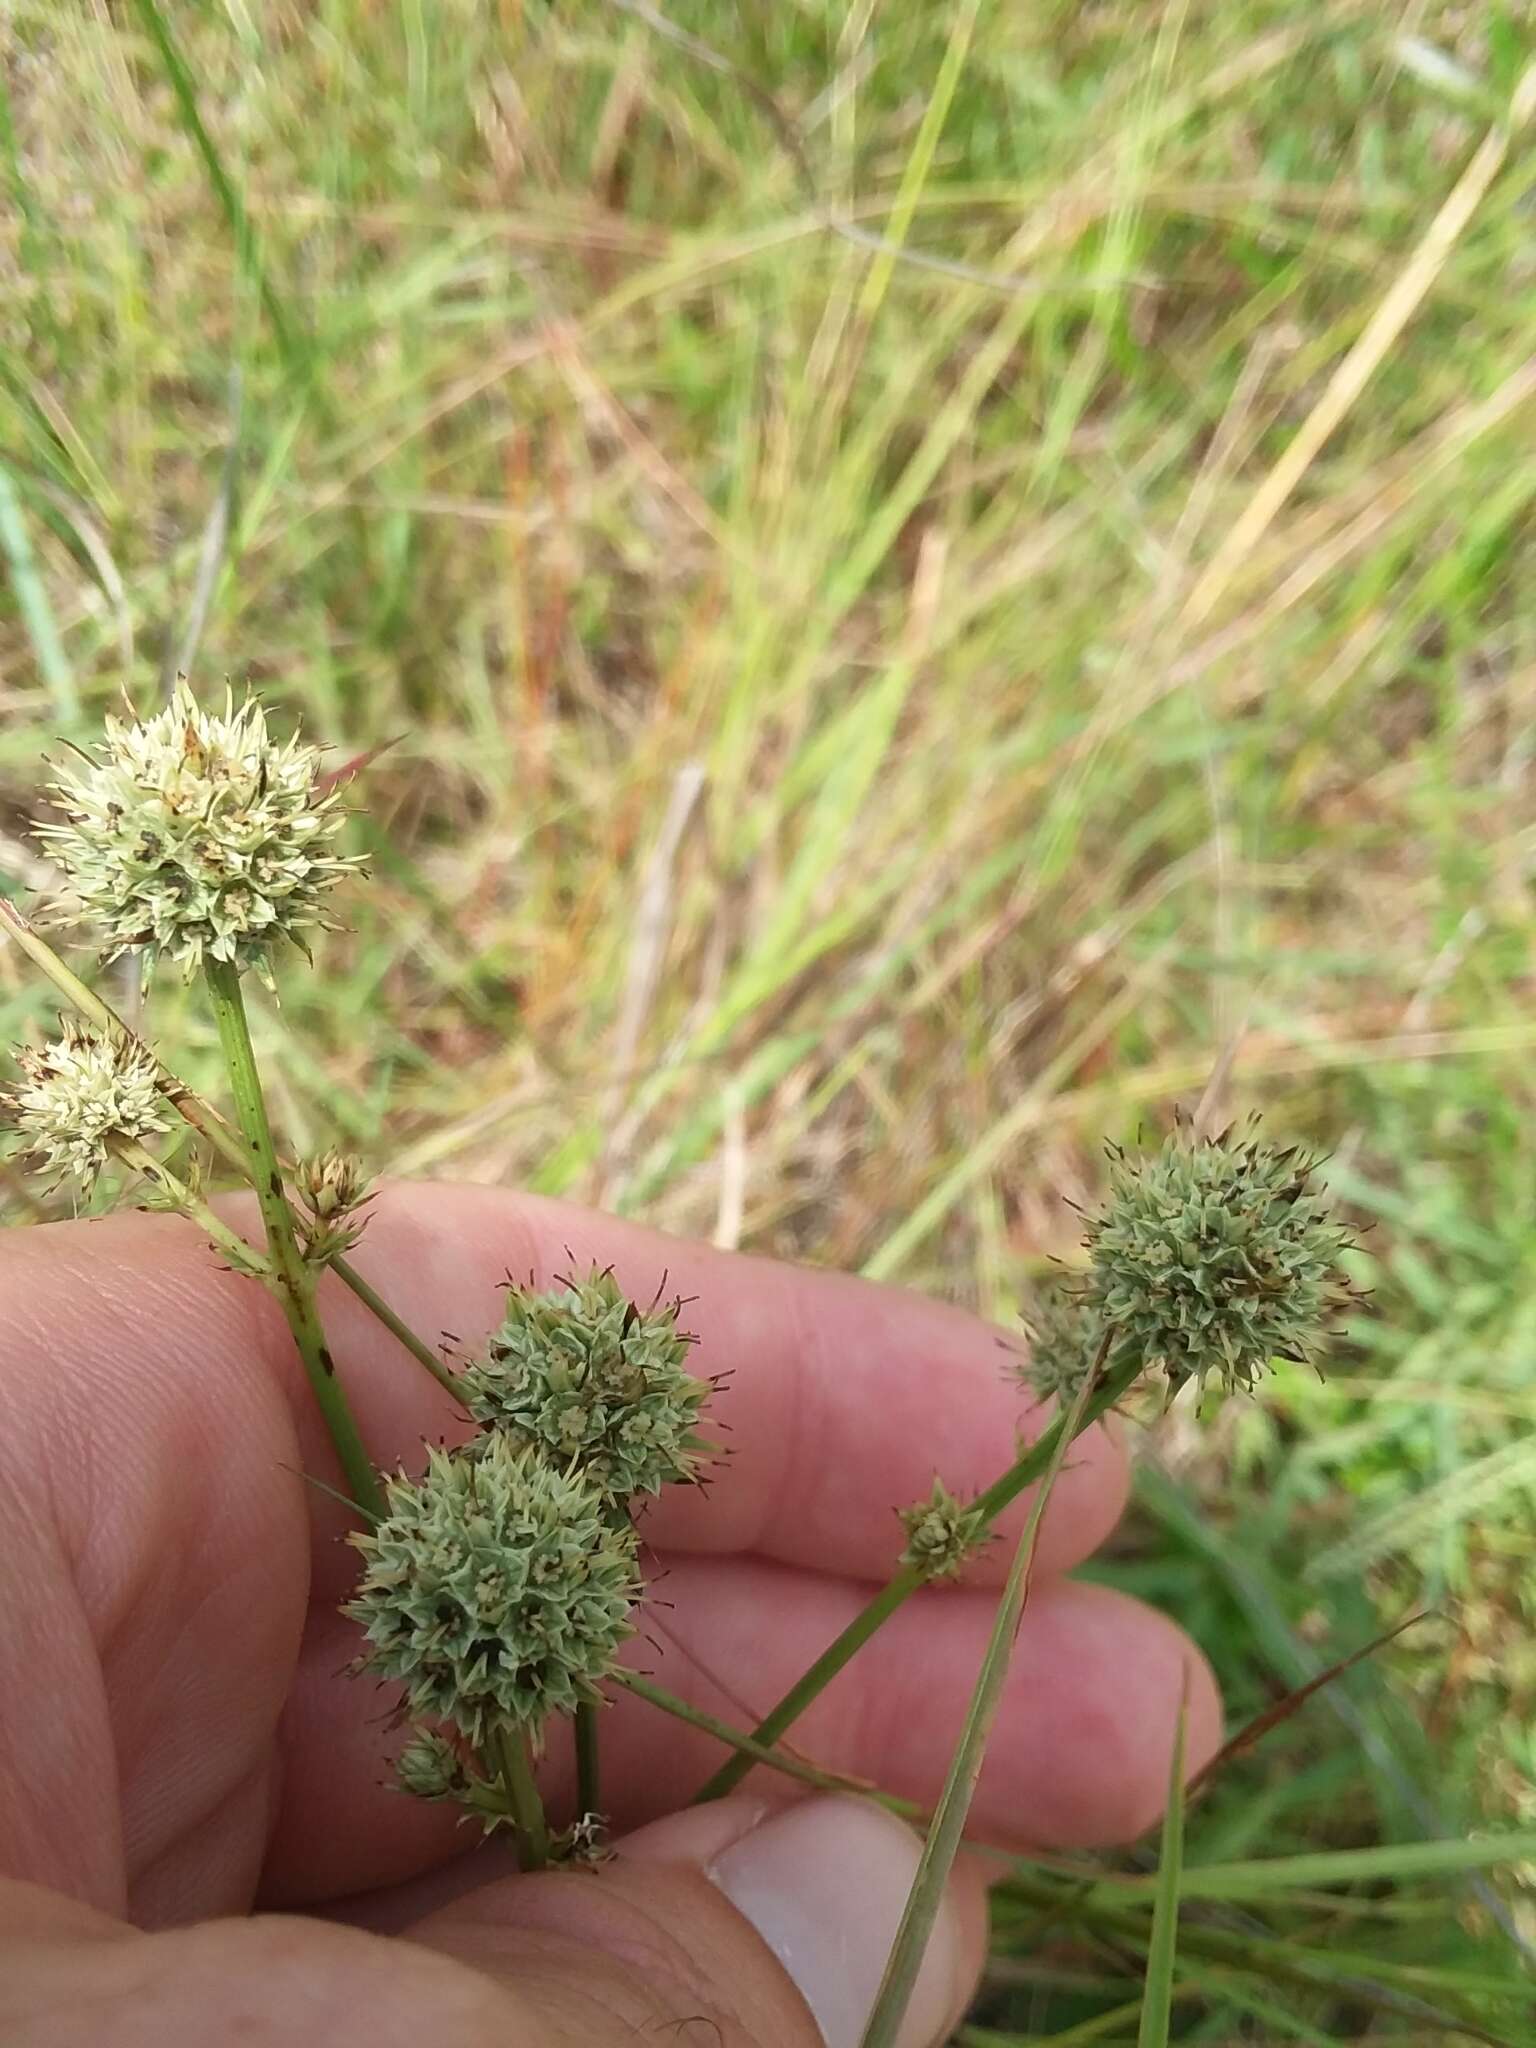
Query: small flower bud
x=1214 y=1257
x=496 y=1588
x=586 y=1375
x=942 y=1533
x=199 y=837
x=334 y=1190
x=430 y=1767
x=81 y=1093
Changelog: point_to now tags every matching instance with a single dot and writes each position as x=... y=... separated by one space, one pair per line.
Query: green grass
x=518 y=385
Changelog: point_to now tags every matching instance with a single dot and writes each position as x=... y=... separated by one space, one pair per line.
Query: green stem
x=515 y=1769
x=758 y=1752
x=243 y=1257
x=295 y=1280
x=871 y=1618
x=589 y=1779
x=947 y=1827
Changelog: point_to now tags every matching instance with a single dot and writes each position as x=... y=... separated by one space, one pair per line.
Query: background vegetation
x=796 y=488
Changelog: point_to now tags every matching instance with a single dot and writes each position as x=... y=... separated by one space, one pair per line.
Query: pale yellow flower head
x=80 y=1093
x=197 y=836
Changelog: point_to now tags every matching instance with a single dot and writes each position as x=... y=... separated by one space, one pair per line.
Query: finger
x=157 y=1423
x=756 y=1929
x=1078 y=1757
x=844 y=1398
x=705 y=1899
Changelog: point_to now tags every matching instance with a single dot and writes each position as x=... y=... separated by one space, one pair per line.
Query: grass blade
x=1396 y=1863
x=229 y=199
x=1157 y=1993
x=32 y=602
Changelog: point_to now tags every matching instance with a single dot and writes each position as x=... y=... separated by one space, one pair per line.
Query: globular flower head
x=942 y=1532
x=585 y=1374
x=1216 y=1256
x=199 y=836
x=497 y=1588
x=334 y=1191
x=81 y=1092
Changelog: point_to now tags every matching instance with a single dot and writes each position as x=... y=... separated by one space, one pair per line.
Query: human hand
x=181 y=1746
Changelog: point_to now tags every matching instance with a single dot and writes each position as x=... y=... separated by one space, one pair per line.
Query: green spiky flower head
x=585 y=1374
x=1215 y=1256
x=82 y=1093
x=942 y=1533
x=496 y=1588
x=198 y=836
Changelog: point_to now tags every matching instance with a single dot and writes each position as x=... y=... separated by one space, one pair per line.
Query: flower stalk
x=515 y=1766
x=242 y=1257
x=295 y=1281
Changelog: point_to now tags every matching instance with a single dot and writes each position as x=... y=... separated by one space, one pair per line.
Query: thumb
x=733 y=1926
x=753 y=1926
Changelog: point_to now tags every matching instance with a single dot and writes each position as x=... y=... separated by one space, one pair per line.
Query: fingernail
x=824 y=1883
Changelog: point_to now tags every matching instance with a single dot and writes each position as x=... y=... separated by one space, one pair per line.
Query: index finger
x=844 y=1400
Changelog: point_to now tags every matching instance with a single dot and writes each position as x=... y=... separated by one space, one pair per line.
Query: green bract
x=586 y=1375
x=197 y=836
x=79 y=1093
x=496 y=1588
x=1215 y=1257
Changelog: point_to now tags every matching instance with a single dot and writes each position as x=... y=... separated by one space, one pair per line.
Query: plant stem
x=203 y=1118
x=589 y=1780
x=871 y=1618
x=242 y=1256
x=948 y=1824
x=294 y=1278
x=515 y=1769
x=757 y=1752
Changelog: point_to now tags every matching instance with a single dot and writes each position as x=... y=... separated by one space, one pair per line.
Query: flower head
x=586 y=1375
x=1063 y=1333
x=942 y=1532
x=1216 y=1256
x=199 y=836
x=497 y=1588
x=430 y=1767
x=81 y=1092
x=334 y=1191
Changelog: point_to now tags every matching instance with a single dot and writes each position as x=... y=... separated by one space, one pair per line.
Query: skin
x=181 y=1746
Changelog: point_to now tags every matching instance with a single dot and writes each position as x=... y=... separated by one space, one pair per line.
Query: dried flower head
x=79 y=1094
x=1215 y=1256
x=334 y=1190
x=497 y=1588
x=1063 y=1332
x=199 y=837
x=584 y=1373
x=942 y=1532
